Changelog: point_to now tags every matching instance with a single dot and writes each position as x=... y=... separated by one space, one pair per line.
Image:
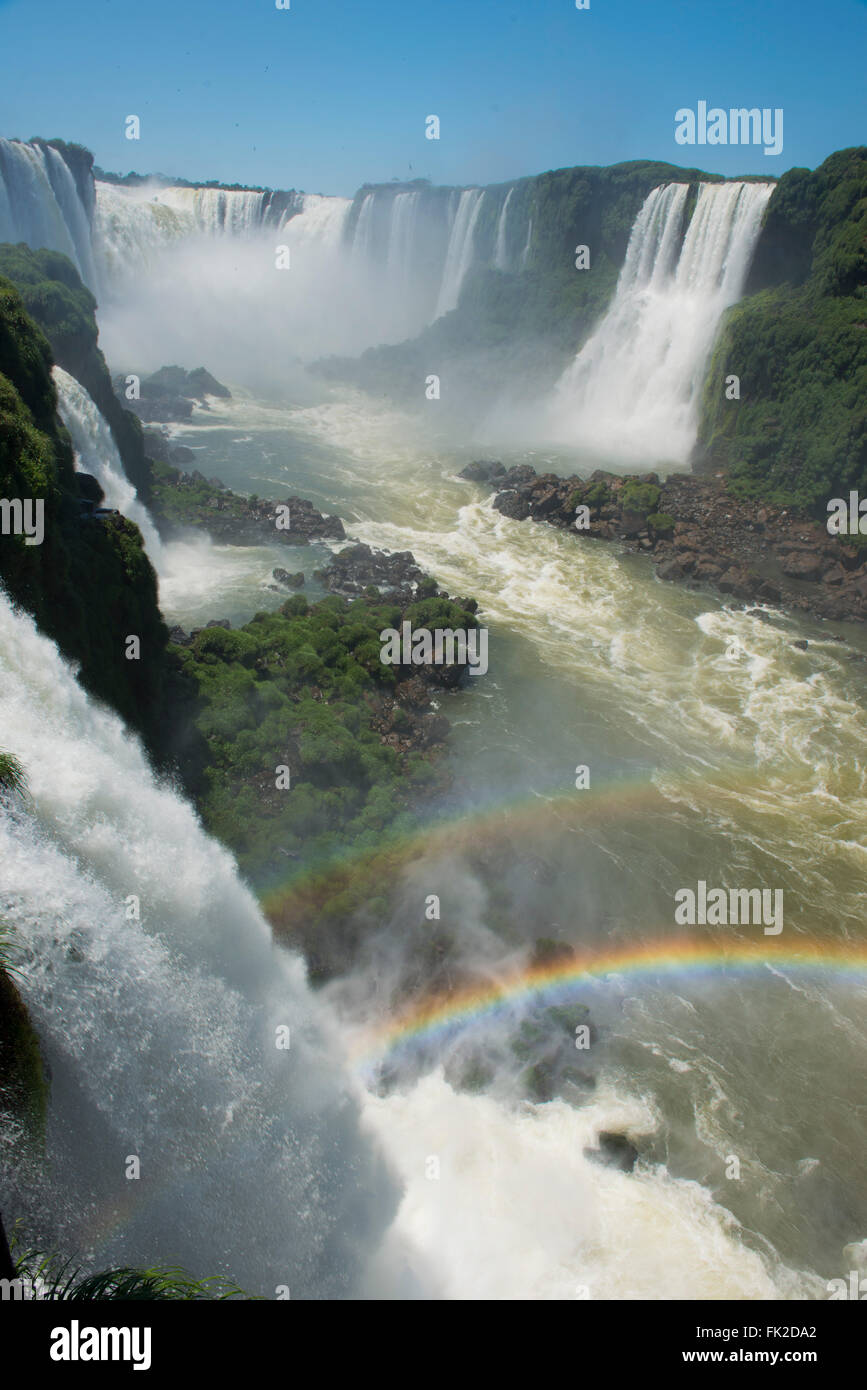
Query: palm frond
x=12 y=778
x=60 y=1280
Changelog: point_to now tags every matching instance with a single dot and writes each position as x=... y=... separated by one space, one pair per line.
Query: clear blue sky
x=332 y=93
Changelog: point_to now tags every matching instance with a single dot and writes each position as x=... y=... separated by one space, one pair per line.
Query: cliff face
x=89 y=584
x=522 y=326
x=798 y=343
x=54 y=296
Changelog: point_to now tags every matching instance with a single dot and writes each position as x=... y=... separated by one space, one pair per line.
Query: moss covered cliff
x=64 y=308
x=798 y=343
x=522 y=325
x=89 y=584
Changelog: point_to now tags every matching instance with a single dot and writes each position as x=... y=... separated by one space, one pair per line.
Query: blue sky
x=332 y=93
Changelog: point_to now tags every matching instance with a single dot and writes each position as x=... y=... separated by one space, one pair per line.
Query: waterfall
x=401 y=241
x=319 y=221
x=134 y=226
x=525 y=254
x=501 y=258
x=362 y=241
x=96 y=453
x=632 y=391
x=459 y=256
x=40 y=204
x=158 y=994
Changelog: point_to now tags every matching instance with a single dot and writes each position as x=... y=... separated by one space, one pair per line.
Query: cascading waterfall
x=525 y=254
x=40 y=204
x=501 y=258
x=459 y=255
x=409 y=261
x=362 y=241
x=96 y=453
x=632 y=391
x=159 y=997
x=134 y=226
x=318 y=220
x=401 y=240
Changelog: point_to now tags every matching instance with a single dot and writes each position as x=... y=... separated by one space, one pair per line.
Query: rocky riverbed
x=697 y=533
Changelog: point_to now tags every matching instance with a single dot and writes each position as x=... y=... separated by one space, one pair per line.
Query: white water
x=160 y=1036
x=459 y=256
x=135 y=226
x=632 y=391
x=96 y=453
x=404 y=266
x=160 y=1033
x=518 y=1212
x=525 y=254
x=401 y=241
x=41 y=205
x=501 y=259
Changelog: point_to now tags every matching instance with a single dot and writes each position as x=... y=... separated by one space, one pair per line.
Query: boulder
x=292 y=581
x=670 y=569
x=632 y=523
x=614 y=1150
x=483 y=471
x=803 y=564
x=513 y=505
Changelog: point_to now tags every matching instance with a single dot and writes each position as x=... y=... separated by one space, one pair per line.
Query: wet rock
x=632 y=523
x=802 y=565
x=513 y=505
x=519 y=476
x=360 y=567
x=615 y=1151
x=483 y=471
x=291 y=581
x=670 y=569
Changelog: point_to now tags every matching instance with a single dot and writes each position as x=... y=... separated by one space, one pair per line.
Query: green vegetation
x=178 y=506
x=593 y=495
x=58 y=1280
x=23 y=1088
x=642 y=498
x=12 y=777
x=175 y=506
x=304 y=688
x=528 y=323
x=89 y=584
x=798 y=343
x=661 y=523
x=55 y=298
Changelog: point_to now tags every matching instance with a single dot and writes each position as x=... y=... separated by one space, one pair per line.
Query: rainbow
x=490 y=825
x=434 y=1020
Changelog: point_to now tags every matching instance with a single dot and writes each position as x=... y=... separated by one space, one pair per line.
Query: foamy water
x=750 y=761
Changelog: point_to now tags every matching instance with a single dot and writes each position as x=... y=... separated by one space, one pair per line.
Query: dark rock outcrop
x=359 y=566
x=170 y=393
x=615 y=1151
x=291 y=581
x=697 y=533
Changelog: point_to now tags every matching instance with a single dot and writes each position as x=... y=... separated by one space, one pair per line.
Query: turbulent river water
x=741 y=770
x=362 y=1162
